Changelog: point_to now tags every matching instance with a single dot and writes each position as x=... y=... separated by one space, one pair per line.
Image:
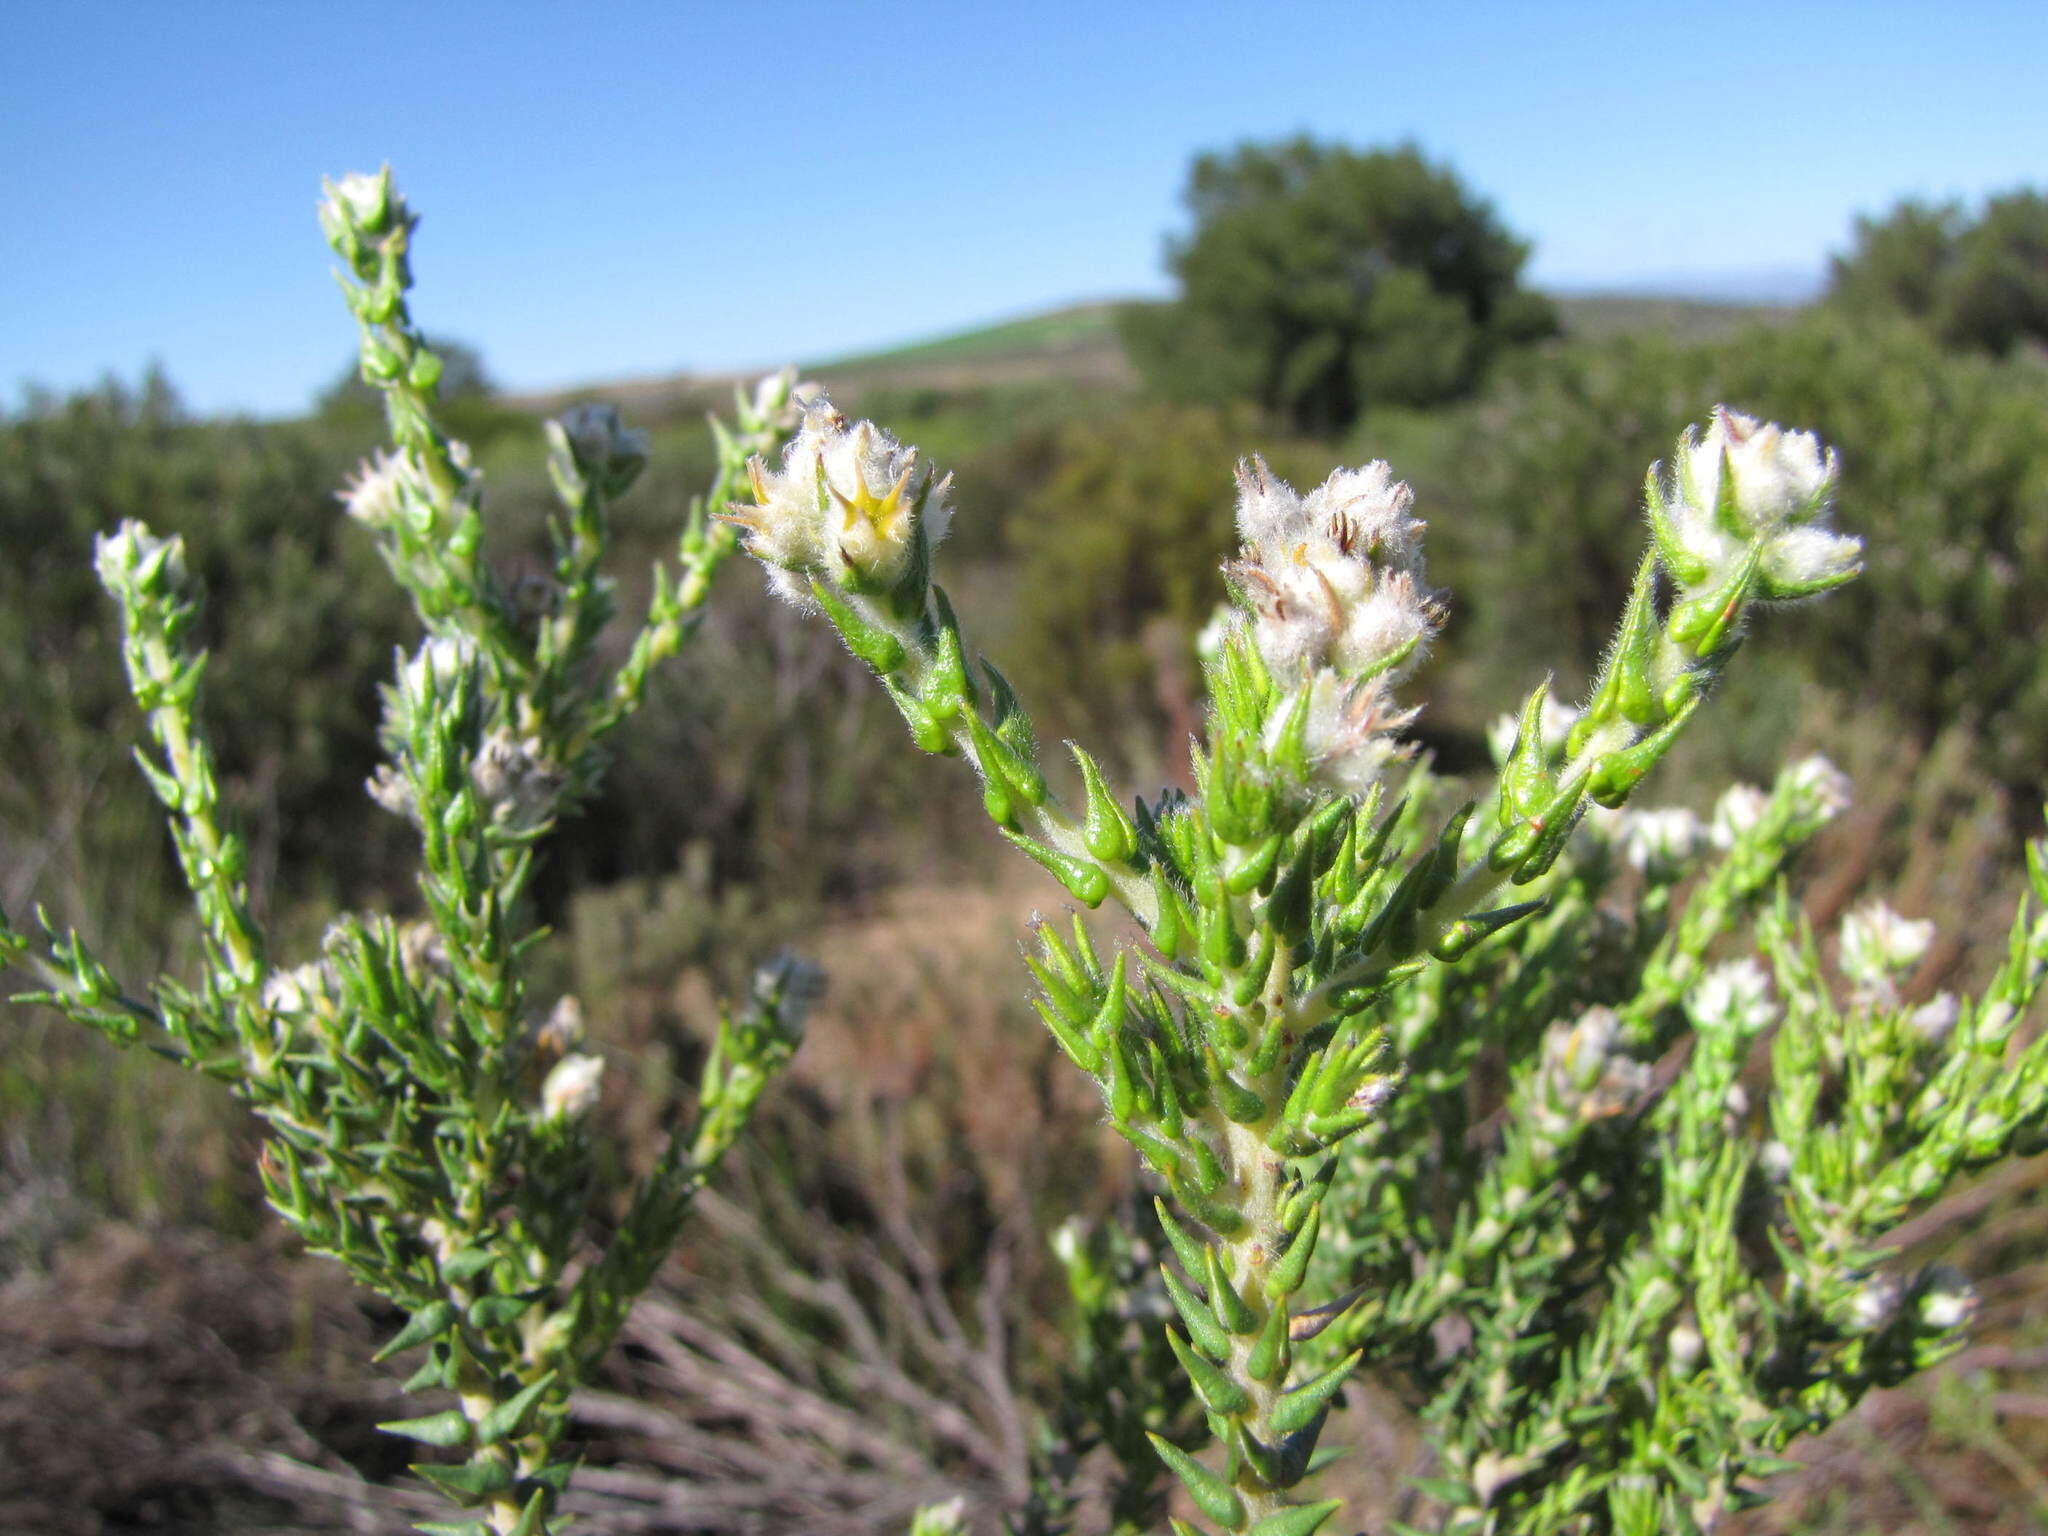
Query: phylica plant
x=1617 y=1297
x=427 y=1117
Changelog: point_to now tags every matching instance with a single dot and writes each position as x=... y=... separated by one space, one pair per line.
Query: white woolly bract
x=1740 y=807
x=571 y=1089
x=847 y=502
x=1736 y=995
x=1661 y=842
x=1334 y=578
x=1823 y=790
x=1878 y=945
x=1778 y=484
x=1351 y=731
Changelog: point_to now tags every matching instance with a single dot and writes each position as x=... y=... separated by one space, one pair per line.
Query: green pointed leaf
x=1287 y=1274
x=867 y=640
x=1218 y=1392
x=466 y=1263
x=1298 y=1408
x=1201 y=1322
x=1107 y=831
x=1229 y=1307
x=1468 y=933
x=427 y=1323
x=1302 y=1520
x=1445 y=1491
x=1270 y=1354
x=468 y=1482
x=1212 y=1495
x=446 y=1428
x=532 y=1519
x=1184 y=1246
x=508 y=1417
x=1085 y=881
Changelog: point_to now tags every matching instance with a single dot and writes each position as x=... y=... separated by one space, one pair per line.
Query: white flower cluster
x=1736 y=995
x=391 y=488
x=1748 y=480
x=516 y=782
x=848 y=503
x=572 y=1088
x=1817 y=793
x=1335 y=577
x=1662 y=843
x=1339 y=610
x=1879 y=947
x=1587 y=1073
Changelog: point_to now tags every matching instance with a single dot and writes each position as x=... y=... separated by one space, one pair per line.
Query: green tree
x=1319 y=280
x=1977 y=284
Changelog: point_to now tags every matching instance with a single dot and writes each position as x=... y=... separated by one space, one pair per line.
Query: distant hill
x=1594 y=315
x=1079 y=344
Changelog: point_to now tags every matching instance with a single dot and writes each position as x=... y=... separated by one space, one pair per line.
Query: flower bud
x=387 y=488
x=592 y=445
x=1820 y=791
x=1748 y=482
x=1879 y=946
x=1736 y=995
x=562 y=1032
x=361 y=201
x=1740 y=808
x=1587 y=1073
x=515 y=780
x=1684 y=1347
x=785 y=989
x=134 y=563
x=1935 y=1020
x=1874 y=1304
x=1947 y=1300
x=1661 y=843
x=849 y=503
x=571 y=1089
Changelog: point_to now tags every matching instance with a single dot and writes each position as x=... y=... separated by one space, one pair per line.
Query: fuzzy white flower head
x=1335 y=578
x=849 y=501
x=1587 y=1073
x=1661 y=843
x=572 y=1087
x=1740 y=808
x=1774 y=477
x=132 y=561
x=1350 y=731
x=1821 y=791
x=1935 y=1020
x=1879 y=946
x=1947 y=1300
x=435 y=667
x=361 y=199
x=299 y=990
x=774 y=400
x=382 y=489
x=1736 y=995
x=1747 y=480
x=1875 y=1304
x=515 y=780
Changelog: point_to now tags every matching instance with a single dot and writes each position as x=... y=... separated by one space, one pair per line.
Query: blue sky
x=628 y=189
